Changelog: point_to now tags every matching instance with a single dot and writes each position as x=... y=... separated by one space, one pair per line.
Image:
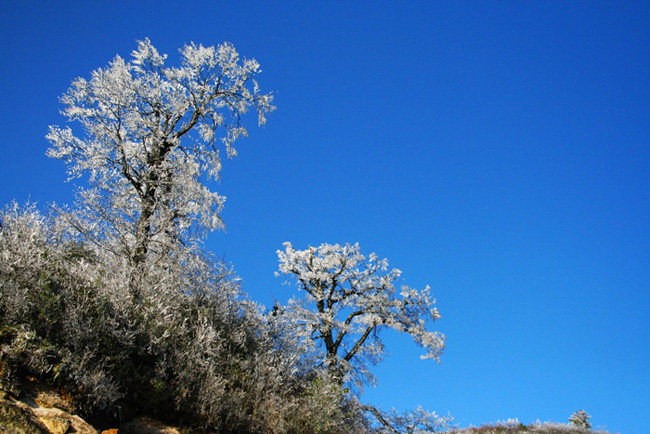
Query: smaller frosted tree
x=581 y=419
x=348 y=299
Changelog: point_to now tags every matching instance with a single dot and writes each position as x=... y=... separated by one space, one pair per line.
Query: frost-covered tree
x=581 y=419
x=348 y=299
x=150 y=142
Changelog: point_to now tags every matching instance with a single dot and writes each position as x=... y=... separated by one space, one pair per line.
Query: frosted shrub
x=194 y=347
x=581 y=419
x=418 y=421
x=48 y=298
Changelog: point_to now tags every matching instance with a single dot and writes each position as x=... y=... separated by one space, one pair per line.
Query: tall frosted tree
x=150 y=143
x=348 y=299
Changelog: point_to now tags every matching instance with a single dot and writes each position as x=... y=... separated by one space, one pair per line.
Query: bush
x=193 y=348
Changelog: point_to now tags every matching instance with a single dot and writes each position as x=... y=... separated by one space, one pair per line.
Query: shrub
x=193 y=348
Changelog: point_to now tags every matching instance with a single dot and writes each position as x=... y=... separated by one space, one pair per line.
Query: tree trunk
x=142 y=241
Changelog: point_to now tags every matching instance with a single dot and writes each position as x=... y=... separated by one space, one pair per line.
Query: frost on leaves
x=348 y=299
x=150 y=142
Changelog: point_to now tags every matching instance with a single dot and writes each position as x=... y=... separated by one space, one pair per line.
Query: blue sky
x=497 y=151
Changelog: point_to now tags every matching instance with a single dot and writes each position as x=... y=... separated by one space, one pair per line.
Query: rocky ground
x=38 y=409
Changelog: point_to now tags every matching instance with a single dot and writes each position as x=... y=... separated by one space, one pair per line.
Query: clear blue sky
x=497 y=151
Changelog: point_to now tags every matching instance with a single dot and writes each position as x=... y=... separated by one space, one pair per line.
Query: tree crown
x=150 y=140
x=348 y=299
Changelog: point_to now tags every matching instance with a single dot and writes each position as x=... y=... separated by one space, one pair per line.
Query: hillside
x=41 y=410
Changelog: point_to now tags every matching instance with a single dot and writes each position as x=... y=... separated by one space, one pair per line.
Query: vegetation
x=513 y=426
x=581 y=419
x=194 y=349
x=348 y=299
x=116 y=304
